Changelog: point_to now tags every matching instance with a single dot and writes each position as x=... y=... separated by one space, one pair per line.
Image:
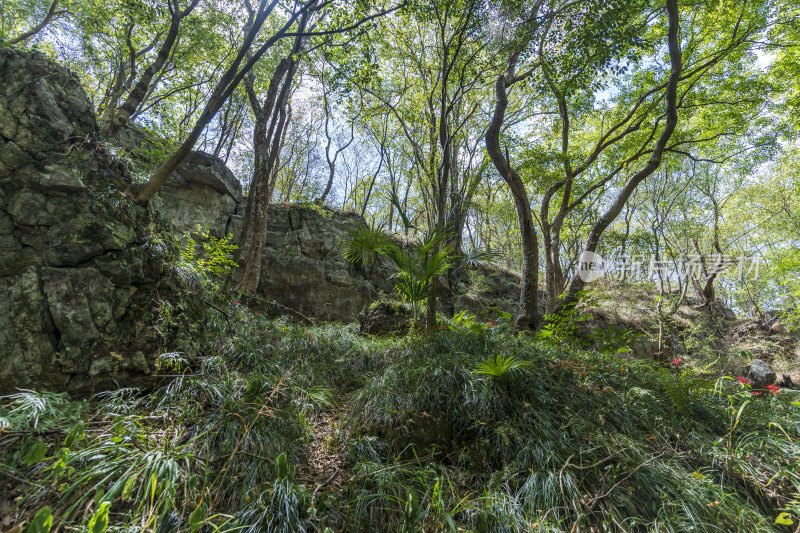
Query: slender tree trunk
x=262 y=190
x=263 y=112
x=39 y=27
x=576 y=285
x=527 y=318
x=137 y=95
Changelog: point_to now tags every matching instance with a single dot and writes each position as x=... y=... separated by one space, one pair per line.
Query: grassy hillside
x=276 y=426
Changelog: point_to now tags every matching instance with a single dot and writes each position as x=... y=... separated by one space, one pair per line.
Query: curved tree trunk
x=576 y=285
x=51 y=13
x=224 y=88
x=137 y=95
x=262 y=186
x=527 y=318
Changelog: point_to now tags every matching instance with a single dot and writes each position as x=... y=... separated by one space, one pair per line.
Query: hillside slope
x=284 y=427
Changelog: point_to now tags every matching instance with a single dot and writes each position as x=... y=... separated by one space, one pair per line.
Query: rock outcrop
x=87 y=300
x=303 y=267
x=384 y=317
x=77 y=279
x=202 y=191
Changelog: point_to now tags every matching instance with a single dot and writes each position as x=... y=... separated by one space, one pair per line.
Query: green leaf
x=153 y=485
x=127 y=489
x=42 y=521
x=499 y=366
x=76 y=434
x=784 y=519
x=198 y=517
x=35 y=453
x=98 y=496
x=98 y=523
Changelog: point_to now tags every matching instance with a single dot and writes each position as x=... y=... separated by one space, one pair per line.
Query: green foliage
x=499 y=367
x=40 y=411
x=284 y=504
x=473 y=258
x=469 y=320
x=427 y=441
x=588 y=420
x=563 y=325
x=364 y=243
x=42 y=521
x=98 y=522
x=211 y=257
x=418 y=264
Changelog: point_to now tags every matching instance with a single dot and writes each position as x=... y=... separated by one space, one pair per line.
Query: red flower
x=442 y=327
x=773 y=389
x=756 y=393
x=286 y=206
x=310 y=335
x=491 y=324
x=235 y=302
x=677 y=361
x=743 y=380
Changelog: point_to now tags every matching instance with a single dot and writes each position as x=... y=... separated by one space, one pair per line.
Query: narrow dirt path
x=324 y=469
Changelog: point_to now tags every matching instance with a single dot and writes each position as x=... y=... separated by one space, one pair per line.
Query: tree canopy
x=536 y=129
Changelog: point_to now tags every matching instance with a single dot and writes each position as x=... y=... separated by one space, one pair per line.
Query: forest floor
x=280 y=426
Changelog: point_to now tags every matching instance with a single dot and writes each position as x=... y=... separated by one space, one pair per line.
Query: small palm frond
x=431 y=240
x=407 y=225
x=499 y=366
x=475 y=257
x=410 y=288
x=436 y=264
x=403 y=260
x=364 y=243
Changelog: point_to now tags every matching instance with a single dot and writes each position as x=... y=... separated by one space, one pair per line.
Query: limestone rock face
x=76 y=279
x=303 y=266
x=206 y=169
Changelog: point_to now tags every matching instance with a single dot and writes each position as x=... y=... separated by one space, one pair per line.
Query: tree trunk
x=576 y=285
x=527 y=318
x=224 y=88
x=262 y=187
x=261 y=142
x=137 y=95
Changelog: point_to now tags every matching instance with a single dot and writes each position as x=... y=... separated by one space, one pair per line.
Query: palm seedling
x=418 y=265
x=500 y=366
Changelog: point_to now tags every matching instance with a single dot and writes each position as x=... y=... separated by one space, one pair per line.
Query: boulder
x=303 y=267
x=209 y=170
x=778 y=328
x=760 y=374
x=203 y=191
x=386 y=317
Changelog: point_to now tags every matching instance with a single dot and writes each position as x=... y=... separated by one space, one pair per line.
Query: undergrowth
x=471 y=429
